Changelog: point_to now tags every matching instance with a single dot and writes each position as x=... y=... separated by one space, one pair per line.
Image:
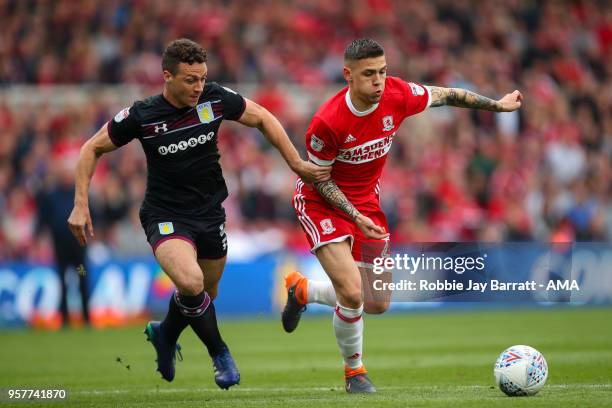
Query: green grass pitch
x=415 y=359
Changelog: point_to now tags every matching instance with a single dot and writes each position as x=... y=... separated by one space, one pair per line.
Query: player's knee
x=212 y=292
x=376 y=307
x=350 y=296
x=211 y=286
x=190 y=285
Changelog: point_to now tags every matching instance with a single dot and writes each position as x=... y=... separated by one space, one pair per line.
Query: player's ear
x=346 y=72
x=167 y=75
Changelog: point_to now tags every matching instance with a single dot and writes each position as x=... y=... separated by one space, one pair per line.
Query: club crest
x=387 y=123
x=166 y=228
x=327 y=226
x=205 y=112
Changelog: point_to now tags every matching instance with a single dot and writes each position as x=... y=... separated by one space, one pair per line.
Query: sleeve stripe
x=428 y=97
x=320 y=162
x=241 y=111
x=243 y=108
x=110 y=134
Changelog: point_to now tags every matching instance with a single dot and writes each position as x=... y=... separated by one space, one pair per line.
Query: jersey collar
x=354 y=110
x=167 y=102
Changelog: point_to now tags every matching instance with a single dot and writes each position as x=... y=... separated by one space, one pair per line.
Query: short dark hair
x=182 y=50
x=363 y=48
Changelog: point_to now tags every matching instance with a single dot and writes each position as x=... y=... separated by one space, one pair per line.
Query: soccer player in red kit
x=342 y=219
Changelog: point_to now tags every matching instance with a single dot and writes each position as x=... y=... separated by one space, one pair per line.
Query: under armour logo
x=163 y=127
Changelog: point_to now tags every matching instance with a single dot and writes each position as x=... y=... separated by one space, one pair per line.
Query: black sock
x=175 y=322
x=199 y=312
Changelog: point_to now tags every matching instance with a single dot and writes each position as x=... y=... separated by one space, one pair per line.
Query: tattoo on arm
x=332 y=193
x=462 y=98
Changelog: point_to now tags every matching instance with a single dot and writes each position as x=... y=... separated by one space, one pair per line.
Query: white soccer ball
x=520 y=370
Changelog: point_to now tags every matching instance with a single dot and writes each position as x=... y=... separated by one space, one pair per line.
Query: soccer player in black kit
x=182 y=213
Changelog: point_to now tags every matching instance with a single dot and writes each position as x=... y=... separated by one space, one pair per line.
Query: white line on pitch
x=294 y=389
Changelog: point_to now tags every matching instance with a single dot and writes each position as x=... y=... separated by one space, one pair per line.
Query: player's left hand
x=511 y=102
x=312 y=173
x=369 y=228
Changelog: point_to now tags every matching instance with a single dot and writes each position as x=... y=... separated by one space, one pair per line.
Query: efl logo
x=316 y=143
x=124 y=113
x=417 y=90
x=184 y=144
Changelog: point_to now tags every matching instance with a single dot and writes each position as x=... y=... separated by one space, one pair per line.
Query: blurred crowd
x=453 y=175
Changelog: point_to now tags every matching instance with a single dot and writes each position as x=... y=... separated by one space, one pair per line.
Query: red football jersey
x=356 y=143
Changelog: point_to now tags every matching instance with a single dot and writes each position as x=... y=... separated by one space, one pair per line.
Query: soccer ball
x=520 y=370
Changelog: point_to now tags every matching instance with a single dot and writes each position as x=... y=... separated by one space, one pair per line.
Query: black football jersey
x=184 y=176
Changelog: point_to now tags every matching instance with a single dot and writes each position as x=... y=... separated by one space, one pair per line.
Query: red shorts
x=324 y=224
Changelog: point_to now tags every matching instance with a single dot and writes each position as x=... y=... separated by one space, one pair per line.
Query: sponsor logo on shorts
x=223 y=236
x=166 y=228
x=327 y=226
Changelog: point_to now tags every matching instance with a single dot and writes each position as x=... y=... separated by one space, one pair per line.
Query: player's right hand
x=369 y=229
x=511 y=102
x=80 y=224
x=312 y=173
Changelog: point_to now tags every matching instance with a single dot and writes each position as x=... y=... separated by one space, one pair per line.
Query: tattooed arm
x=463 y=98
x=333 y=195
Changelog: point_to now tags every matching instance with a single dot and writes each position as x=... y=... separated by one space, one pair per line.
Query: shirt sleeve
x=417 y=97
x=233 y=104
x=124 y=127
x=321 y=144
